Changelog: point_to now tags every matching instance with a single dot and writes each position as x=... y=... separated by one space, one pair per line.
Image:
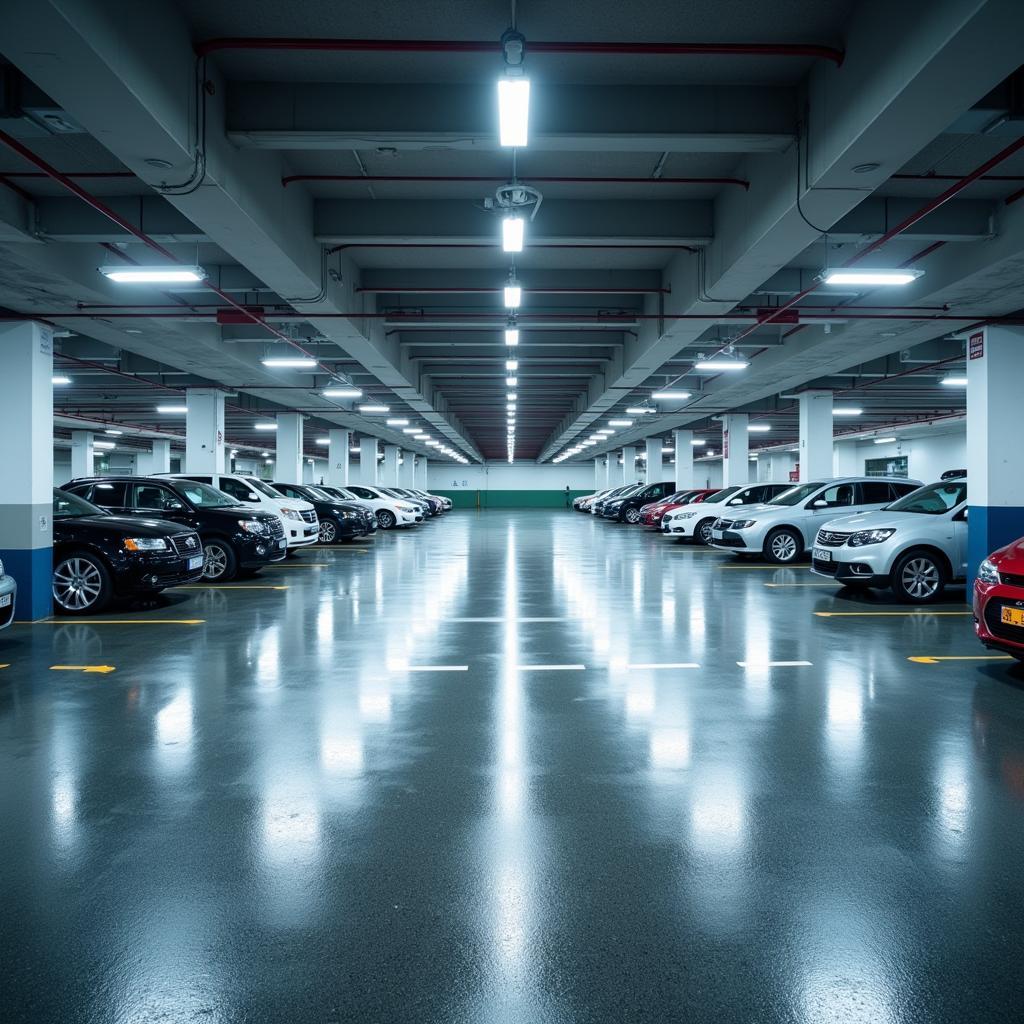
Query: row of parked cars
x=120 y=536
x=862 y=532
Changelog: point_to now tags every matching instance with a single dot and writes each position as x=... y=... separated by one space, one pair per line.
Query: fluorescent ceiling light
x=323 y=440
x=513 y=111
x=669 y=395
x=620 y=423
x=411 y=430
x=290 y=362
x=513 y=296
x=116 y=433
x=375 y=408
x=421 y=437
x=667 y=451
x=640 y=410
x=353 y=451
x=167 y=409
x=721 y=364
x=104 y=444
x=433 y=444
x=512 y=231
x=397 y=423
x=606 y=430
x=153 y=275
x=872 y=277
x=511 y=335
x=758 y=428
x=846 y=410
x=884 y=440
x=698 y=442
x=264 y=426
x=511 y=382
x=588 y=444
x=954 y=382
x=60 y=380
x=511 y=364
x=342 y=393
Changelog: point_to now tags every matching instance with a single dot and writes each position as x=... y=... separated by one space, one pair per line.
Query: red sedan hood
x=1011 y=558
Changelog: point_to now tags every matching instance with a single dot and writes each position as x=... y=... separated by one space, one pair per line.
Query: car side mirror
x=961 y=516
x=174 y=506
x=252 y=496
x=735 y=501
x=819 y=503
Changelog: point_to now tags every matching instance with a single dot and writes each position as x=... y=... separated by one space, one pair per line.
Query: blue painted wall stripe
x=988 y=529
x=32 y=569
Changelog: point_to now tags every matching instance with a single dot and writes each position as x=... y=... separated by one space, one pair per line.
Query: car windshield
x=932 y=500
x=71 y=506
x=721 y=495
x=319 y=494
x=204 y=496
x=795 y=494
x=265 y=489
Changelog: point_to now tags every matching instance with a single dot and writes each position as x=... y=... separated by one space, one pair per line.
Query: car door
x=830 y=503
x=154 y=500
x=109 y=495
x=872 y=494
x=959 y=525
x=237 y=489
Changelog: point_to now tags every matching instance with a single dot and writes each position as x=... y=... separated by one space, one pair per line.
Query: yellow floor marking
x=102 y=669
x=116 y=622
x=5 y=666
x=862 y=615
x=935 y=659
x=228 y=586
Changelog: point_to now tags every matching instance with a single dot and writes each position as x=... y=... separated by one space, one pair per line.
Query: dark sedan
x=98 y=556
x=339 y=520
x=626 y=508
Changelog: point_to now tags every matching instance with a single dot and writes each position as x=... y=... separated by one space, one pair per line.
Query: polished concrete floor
x=517 y=767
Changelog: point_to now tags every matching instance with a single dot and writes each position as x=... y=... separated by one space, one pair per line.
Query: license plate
x=1013 y=617
x=5 y=601
x=821 y=555
x=717 y=534
x=196 y=562
x=282 y=543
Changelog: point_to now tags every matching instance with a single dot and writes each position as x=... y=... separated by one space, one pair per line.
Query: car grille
x=825 y=568
x=309 y=515
x=187 y=544
x=274 y=525
x=1011 y=579
x=829 y=539
x=993 y=612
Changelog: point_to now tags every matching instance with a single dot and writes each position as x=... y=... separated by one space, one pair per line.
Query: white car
x=388 y=510
x=783 y=528
x=299 y=519
x=695 y=521
x=916 y=545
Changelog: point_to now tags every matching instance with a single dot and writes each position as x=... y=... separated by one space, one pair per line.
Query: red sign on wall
x=976 y=345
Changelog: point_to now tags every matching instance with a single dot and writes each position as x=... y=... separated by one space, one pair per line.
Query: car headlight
x=145 y=544
x=988 y=573
x=251 y=526
x=862 y=537
x=404 y=508
x=290 y=513
x=743 y=524
x=685 y=515
x=348 y=515
x=1 y=567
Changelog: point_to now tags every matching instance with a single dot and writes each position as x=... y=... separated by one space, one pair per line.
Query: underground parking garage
x=510 y=516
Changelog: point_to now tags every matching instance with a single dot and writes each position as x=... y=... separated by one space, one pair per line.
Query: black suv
x=338 y=519
x=234 y=537
x=97 y=556
x=627 y=509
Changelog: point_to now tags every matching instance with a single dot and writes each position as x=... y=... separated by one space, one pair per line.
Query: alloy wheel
x=328 y=532
x=783 y=547
x=633 y=515
x=920 y=579
x=77 y=584
x=705 y=531
x=215 y=561
x=386 y=519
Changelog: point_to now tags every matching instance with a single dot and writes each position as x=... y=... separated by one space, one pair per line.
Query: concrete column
x=82 y=453
x=995 y=459
x=337 y=457
x=815 y=435
x=389 y=477
x=290 y=462
x=204 y=431
x=600 y=473
x=26 y=454
x=629 y=473
x=735 y=449
x=368 y=460
x=407 y=470
x=615 y=470
x=421 y=473
x=655 y=469
x=683 y=440
x=156 y=460
x=845 y=461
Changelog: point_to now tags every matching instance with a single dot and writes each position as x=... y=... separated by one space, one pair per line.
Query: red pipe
x=495 y=177
x=955 y=177
x=71 y=174
x=425 y=290
x=813 y=50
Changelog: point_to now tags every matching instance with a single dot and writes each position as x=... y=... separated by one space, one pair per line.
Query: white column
x=368 y=460
x=629 y=474
x=421 y=473
x=654 y=461
x=204 y=431
x=995 y=458
x=26 y=454
x=82 y=453
x=290 y=463
x=845 y=461
x=389 y=477
x=600 y=474
x=815 y=435
x=683 y=440
x=338 y=441
x=735 y=449
x=615 y=470
x=407 y=470
x=156 y=460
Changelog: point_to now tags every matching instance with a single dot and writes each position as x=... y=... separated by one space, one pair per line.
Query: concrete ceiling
x=393 y=284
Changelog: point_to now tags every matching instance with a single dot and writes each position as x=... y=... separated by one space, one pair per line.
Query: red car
x=652 y=515
x=999 y=600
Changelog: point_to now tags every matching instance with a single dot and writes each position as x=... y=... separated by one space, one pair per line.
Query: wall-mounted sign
x=976 y=346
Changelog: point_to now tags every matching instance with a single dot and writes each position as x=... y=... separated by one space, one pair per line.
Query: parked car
x=298 y=518
x=783 y=528
x=696 y=522
x=390 y=511
x=583 y=502
x=628 y=509
x=401 y=494
x=999 y=600
x=653 y=514
x=98 y=556
x=917 y=545
x=8 y=598
x=597 y=507
x=436 y=503
x=233 y=536
x=339 y=520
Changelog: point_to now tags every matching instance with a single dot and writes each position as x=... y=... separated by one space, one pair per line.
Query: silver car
x=696 y=521
x=916 y=545
x=8 y=598
x=784 y=528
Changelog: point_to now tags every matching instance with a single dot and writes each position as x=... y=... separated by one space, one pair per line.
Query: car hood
x=128 y=526
x=1011 y=558
x=877 y=520
x=761 y=512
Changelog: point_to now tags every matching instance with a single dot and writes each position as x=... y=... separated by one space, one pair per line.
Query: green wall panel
x=469 y=498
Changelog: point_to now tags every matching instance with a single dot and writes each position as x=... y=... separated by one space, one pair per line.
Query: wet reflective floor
x=511 y=767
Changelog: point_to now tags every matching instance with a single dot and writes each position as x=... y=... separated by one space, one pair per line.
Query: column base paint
x=989 y=529
x=32 y=570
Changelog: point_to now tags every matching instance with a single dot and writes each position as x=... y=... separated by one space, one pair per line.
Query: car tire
x=783 y=546
x=632 y=516
x=328 y=531
x=918 y=577
x=702 y=534
x=386 y=519
x=81 y=584
x=219 y=561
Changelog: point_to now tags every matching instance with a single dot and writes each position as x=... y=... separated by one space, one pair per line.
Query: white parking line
x=775 y=664
x=549 y=668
